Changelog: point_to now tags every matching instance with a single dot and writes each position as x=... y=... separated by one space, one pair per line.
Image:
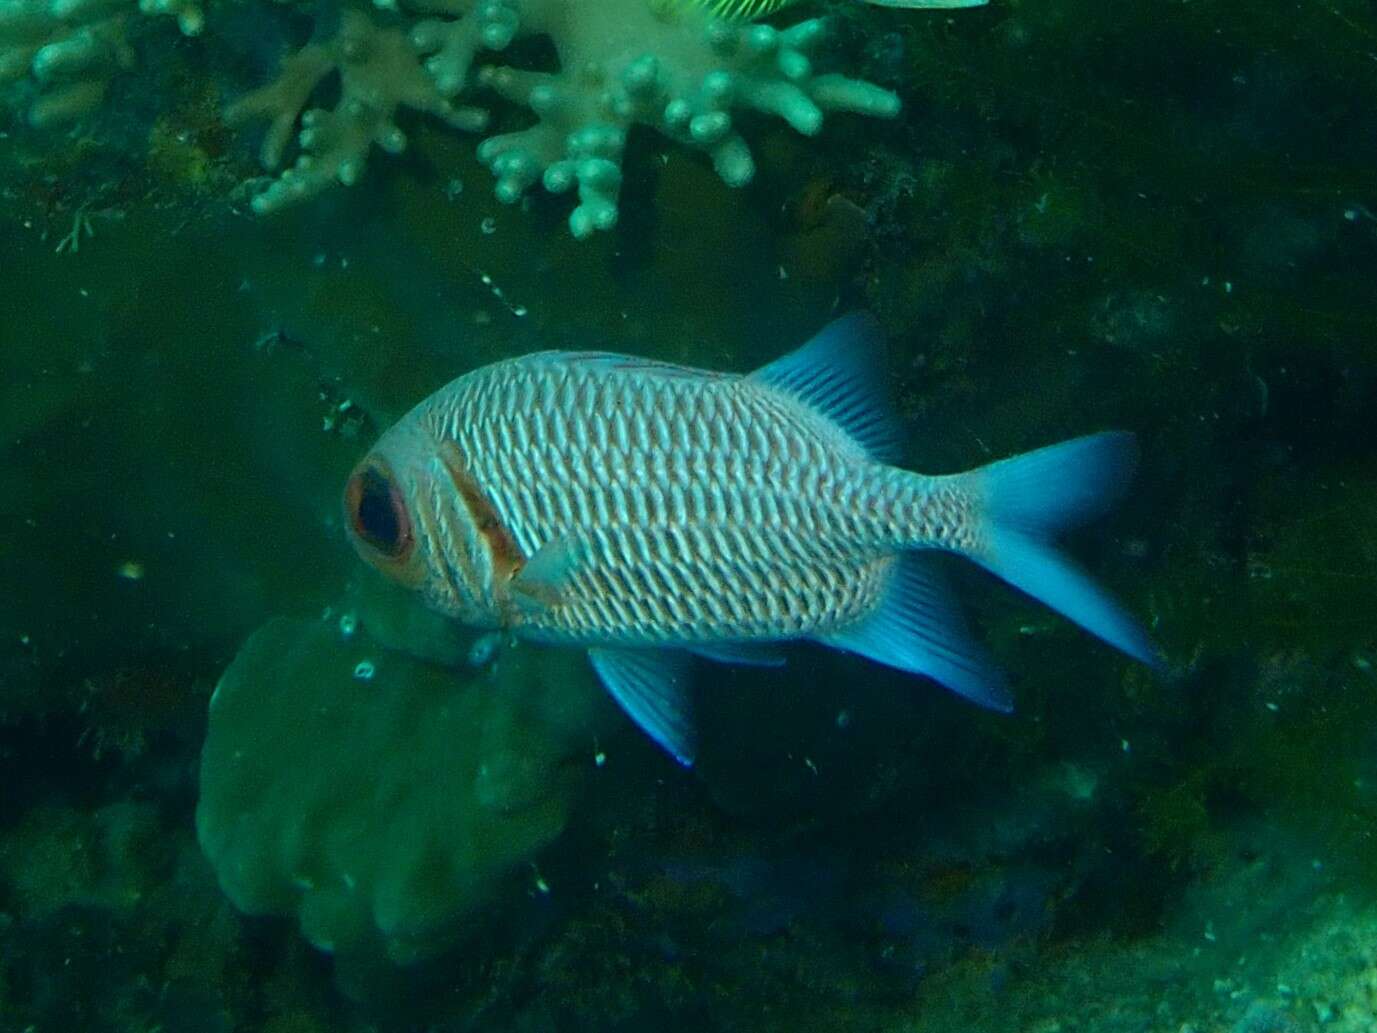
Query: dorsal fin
x=836 y=375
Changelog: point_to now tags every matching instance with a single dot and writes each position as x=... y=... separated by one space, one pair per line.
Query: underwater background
x=1067 y=216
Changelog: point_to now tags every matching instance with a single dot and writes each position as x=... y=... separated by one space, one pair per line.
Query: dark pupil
x=377 y=517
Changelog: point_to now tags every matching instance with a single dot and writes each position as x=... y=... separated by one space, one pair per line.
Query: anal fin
x=918 y=628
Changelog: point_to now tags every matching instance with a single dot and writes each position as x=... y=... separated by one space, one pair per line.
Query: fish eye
x=376 y=511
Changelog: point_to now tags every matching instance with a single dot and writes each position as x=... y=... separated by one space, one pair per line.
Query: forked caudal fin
x=1029 y=499
x=1023 y=503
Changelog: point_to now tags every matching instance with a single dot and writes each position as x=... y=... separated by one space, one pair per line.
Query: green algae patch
x=380 y=800
x=60 y=857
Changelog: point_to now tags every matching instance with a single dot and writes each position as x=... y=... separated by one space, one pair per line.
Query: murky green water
x=1155 y=217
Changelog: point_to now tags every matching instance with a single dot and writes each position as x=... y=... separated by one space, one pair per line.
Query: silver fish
x=646 y=511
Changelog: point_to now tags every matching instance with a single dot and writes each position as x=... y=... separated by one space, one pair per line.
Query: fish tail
x=1028 y=500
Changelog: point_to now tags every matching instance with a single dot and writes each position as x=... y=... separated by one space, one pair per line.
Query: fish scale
x=624 y=436
x=641 y=509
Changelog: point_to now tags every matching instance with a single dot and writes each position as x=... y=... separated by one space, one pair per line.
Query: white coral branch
x=683 y=78
x=380 y=73
x=61 y=54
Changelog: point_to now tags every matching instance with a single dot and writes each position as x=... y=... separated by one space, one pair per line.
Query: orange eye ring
x=376 y=511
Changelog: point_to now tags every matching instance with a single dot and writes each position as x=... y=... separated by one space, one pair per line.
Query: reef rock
x=382 y=800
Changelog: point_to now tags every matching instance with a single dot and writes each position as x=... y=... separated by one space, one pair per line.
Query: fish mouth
x=376 y=511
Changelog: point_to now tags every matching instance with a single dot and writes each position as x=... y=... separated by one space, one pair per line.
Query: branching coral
x=621 y=64
x=61 y=54
x=683 y=77
x=379 y=73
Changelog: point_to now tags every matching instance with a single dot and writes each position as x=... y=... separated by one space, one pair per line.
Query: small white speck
x=348 y=624
x=1124 y=745
x=599 y=759
x=364 y=670
x=488 y=226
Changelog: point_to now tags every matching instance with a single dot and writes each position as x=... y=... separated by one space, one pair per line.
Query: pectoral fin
x=545 y=578
x=651 y=685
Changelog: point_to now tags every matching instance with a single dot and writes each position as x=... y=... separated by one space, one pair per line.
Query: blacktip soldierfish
x=646 y=511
